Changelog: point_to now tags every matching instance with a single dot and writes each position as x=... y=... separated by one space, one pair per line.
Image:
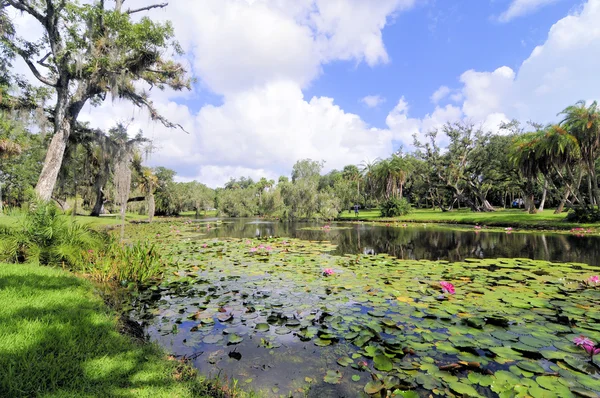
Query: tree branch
x=21 y=5
x=34 y=70
x=142 y=102
x=161 y=5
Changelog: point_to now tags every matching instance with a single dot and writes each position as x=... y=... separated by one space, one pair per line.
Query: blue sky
x=432 y=45
x=283 y=80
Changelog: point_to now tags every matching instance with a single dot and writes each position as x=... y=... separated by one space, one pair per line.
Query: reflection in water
x=423 y=242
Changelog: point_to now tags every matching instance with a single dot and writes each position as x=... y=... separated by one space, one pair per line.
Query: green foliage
x=394 y=207
x=584 y=215
x=139 y=262
x=46 y=236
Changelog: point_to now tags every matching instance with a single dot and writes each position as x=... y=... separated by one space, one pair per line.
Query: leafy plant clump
x=139 y=263
x=394 y=207
x=47 y=237
x=584 y=215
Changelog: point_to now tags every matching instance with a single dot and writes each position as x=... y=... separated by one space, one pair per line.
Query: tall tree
x=88 y=51
x=583 y=123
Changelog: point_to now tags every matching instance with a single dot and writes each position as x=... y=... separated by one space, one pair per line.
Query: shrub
x=583 y=215
x=395 y=207
x=46 y=236
x=137 y=263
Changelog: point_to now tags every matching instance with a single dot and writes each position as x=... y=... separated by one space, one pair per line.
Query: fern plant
x=47 y=237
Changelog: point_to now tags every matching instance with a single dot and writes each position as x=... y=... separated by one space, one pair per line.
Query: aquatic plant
x=328 y=272
x=588 y=345
x=594 y=279
x=447 y=287
x=510 y=334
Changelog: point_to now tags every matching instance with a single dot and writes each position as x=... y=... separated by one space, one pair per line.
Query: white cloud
x=519 y=8
x=558 y=73
x=373 y=101
x=440 y=94
x=403 y=127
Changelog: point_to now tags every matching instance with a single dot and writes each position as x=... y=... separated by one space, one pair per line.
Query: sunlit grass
x=508 y=217
x=57 y=338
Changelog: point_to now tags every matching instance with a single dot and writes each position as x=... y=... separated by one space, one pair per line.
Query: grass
x=58 y=339
x=501 y=218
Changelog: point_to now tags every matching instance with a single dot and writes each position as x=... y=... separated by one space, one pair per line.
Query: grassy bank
x=501 y=218
x=58 y=338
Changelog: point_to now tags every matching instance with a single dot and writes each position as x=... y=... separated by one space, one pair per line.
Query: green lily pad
x=234 y=339
x=333 y=377
x=345 y=361
x=383 y=363
x=373 y=387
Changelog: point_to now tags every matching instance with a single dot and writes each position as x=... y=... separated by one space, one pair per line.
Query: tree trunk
x=530 y=206
x=53 y=161
x=151 y=207
x=544 y=194
x=561 y=206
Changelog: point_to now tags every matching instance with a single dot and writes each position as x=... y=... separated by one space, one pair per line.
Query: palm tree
x=583 y=123
x=525 y=155
x=367 y=169
x=561 y=153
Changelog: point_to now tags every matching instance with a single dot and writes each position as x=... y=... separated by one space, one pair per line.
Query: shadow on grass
x=57 y=339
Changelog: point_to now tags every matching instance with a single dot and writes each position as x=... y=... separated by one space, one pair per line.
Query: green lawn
x=500 y=218
x=58 y=339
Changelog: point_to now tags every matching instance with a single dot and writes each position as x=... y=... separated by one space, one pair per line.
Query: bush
x=583 y=215
x=47 y=237
x=395 y=207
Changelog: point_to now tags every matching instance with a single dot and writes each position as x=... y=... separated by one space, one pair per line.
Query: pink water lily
x=253 y=249
x=261 y=246
x=588 y=345
x=268 y=248
x=582 y=341
x=205 y=245
x=328 y=272
x=591 y=350
x=447 y=287
x=594 y=279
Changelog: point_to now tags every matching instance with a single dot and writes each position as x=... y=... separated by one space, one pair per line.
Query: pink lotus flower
x=508 y=229
x=205 y=245
x=477 y=226
x=253 y=249
x=582 y=341
x=592 y=350
x=447 y=287
x=328 y=272
x=261 y=246
x=594 y=279
x=588 y=345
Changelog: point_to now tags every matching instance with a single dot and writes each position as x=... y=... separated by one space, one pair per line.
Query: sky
x=347 y=81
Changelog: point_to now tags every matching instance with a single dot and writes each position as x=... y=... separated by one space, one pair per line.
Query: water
x=422 y=242
x=222 y=279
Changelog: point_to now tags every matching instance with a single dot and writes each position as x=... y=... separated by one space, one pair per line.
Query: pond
x=422 y=241
x=356 y=309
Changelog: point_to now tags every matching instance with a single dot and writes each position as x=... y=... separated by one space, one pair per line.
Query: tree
x=86 y=52
x=583 y=123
